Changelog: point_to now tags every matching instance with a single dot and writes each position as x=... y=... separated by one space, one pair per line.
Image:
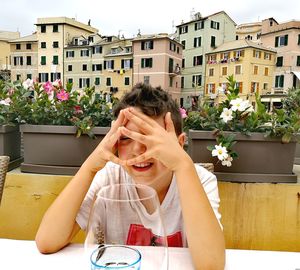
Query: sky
x=113 y=17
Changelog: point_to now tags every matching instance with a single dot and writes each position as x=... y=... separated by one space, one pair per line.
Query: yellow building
x=53 y=34
x=251 y=64
x=23 y=57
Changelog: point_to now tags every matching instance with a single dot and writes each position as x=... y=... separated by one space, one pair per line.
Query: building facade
x=200 y=36
x=249 y=31
x=157 y=60
x=252 y=66
x=24 y=58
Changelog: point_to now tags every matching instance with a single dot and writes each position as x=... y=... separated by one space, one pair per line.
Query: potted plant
x=246 y=145
x=62 y=127
x=13 y=99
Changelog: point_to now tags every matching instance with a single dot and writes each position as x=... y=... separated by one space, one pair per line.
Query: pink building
x=157 y=60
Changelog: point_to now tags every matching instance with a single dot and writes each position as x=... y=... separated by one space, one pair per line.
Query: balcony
x=174 y=71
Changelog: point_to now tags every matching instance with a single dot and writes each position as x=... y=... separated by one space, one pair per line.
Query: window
x=126 y=63
x=171 y=82
x=183 y=63
x=97 y=50
x=215 y=25
x=43 y=45
x=29 y=76
x=147 y=45
x=172 y=47
x=146 y=63
x=182 y=82
x=18 y=77
x=55 y=60
x=108 y=81
x=238 y=69
x=211 y=72
x=196 y=80
x=18 y=46
x=96 y=67
x=281 y=41
x=199 y=25
x=28 y=46
x=279 y=81
x=55 y=44
x=298 y=61
x=127 y=81
x=70 y=80
x=238 y=53
x=265 y=86
x=183 y=29
x=279 y=62
x=225 y=56
x=224 y=71
x=256 y=53
x=254 y=87
x=115 y=50
x=197 y=42
x=28 y=60
x=239 y=85
x=84 y=82
x=70 y=67
x=146 y=79
x=212 y=57
x=210 y=88
x=109 y=64
x=70 y=54
x=84 y=53
x=55 y=76
x=198 y=60
x=18 y=61
x=43 y=28
x=84 y=67
x=299 y=39
x=255 y=70
x=43 y=60
x=97 y=81
x=266 y=73
x=43 y=77
x=55 y=28
x=267 y=56
x=213 y=41
x=183 y=44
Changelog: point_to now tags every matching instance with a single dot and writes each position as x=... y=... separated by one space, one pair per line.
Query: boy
x=147 y=137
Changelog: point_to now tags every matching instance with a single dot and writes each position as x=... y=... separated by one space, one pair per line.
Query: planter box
x=10 y=145
x=260 y=159
x=55 y=149
x=297 y=154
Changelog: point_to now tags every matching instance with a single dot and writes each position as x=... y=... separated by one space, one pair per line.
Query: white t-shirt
x=170 y=207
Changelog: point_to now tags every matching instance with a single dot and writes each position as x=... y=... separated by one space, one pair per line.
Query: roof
x=240 y=44
x=29 y=38
x=8 y=35
x=155 y=36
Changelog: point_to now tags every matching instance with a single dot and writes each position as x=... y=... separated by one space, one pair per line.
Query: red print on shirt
x=138 y=235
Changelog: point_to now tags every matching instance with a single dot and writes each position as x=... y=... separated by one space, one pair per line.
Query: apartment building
x=104 y=62
x=251 y=64
x=53 y=34
x=24 y=58
x=5 y=37
x=285 y=39
x=249 y=31
x=157 y=60
x=200 y=36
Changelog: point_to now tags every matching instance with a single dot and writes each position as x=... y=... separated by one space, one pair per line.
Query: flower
x=52 y=104
x=235 y=114
x=183 y=113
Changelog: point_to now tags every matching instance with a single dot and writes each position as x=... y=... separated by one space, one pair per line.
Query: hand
x=106 y=149
x=160 y=140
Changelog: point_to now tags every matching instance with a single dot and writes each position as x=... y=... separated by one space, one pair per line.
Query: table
x=22 y=254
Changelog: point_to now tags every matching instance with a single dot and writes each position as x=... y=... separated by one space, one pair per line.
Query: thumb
x=169 y=123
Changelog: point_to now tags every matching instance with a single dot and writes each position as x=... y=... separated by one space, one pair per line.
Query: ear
x=181 y=139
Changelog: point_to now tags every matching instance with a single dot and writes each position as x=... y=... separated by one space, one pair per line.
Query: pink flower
x=77 y=109
x=183 y=113
x=11 y=91
x=57 y=83
x=63 y=95
x=48 y=87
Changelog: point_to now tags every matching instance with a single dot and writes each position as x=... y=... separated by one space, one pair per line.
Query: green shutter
x=286 y=40
x=276 y=41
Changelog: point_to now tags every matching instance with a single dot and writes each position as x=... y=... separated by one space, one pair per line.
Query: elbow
x=44 y=245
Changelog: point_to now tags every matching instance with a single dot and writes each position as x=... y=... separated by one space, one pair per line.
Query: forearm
x=204 y=235
x=58 y=223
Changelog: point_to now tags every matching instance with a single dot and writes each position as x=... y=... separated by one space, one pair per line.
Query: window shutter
x=21 y=60
x=206 y=90
x=131 y=63
x=241 y=87
x=104 y=65
x=218 y=25
x=276 y=41
x=193 y=79
x=15 y=62
x=112 y=64
x=81 y=53
x=257 y=90
x=195 y=42
x=93 y=67
x=201 y=59
x=252 y=87
x=150 y=62
x=143 y=45
x=80 y=83
x=40 y=77
x=195 y=28
x=93 y=50
x=286 y=39
x=47 y=77
x=143 y=63
x=281 y=80
x=213 y=88
x=122 y=63
x=211 y=24
x=151 y=44
x=88 y=82
x=194 y=61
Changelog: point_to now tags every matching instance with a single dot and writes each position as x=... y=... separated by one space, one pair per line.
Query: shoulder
x=110 y=173
x=206 y=177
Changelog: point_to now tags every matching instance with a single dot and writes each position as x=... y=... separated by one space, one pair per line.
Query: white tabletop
x=18 y=254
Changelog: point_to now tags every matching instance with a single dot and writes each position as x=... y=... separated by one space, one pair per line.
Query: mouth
x=143 y=166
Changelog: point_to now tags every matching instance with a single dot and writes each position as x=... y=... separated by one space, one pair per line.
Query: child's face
x=152 y=172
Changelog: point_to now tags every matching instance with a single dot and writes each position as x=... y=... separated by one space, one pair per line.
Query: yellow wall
x=254 y=216
x=4 y=52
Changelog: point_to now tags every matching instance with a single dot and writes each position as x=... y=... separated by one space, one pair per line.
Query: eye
x=124 y=138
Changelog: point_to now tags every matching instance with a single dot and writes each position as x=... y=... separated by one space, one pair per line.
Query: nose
x=138 y=148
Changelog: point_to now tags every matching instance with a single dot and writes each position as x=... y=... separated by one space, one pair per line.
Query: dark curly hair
x=152 y=101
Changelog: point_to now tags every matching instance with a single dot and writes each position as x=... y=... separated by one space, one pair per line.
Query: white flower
x=109 y=104
x=81 y=94
x=227 y=161
x=226 y=115
x=5 y=102
x=220 y=152
x=239 y=105
x=28 y=84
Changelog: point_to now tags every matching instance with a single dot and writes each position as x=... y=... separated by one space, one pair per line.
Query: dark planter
x=10 y=145
x=297 y=154
x=55 y=149
x=259 y=159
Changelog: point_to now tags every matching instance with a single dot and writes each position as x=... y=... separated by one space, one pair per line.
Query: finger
x=144 y=126
x=113 y=158
x=119 y=121
x=143 y=116
x=134 y=135
x=169 y=123
x=113 y=138
x=141 y=158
